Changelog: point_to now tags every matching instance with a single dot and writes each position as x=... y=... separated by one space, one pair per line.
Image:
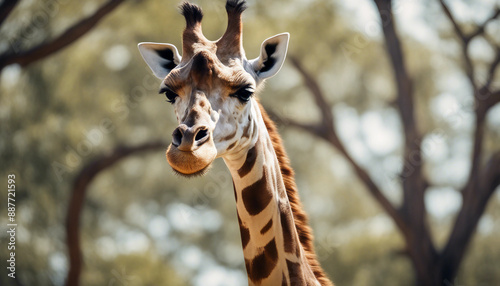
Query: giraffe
x=212 y=88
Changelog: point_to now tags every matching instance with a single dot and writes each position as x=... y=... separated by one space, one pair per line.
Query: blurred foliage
x=142 y=225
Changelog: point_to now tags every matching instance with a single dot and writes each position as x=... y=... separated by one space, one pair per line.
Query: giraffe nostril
x=201 y=135
x=177 y=137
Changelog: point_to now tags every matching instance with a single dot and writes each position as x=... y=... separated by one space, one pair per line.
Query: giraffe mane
x=299 y=215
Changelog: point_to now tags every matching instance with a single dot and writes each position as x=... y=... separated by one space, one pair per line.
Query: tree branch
x=6 y=8
x=326 y=113
x=484 y=99
x=456 y=27
x=413 y=198
x=326 y=131
x=68 y=37
x=482 y=181
x=485 y=89
x=480 y=29
x=491 y=175
x=492 y=70
x=314 y=129
x=469 y=68
x=418 y=238
x=494 y=98
x=80 y=184
x=467 y=219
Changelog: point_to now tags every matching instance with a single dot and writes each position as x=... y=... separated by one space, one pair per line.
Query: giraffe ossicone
x=212 y=88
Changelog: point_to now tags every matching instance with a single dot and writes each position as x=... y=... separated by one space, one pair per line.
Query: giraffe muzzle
x=188 y=139
x=192 y=150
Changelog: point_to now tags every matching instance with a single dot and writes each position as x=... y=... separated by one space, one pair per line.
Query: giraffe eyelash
x=244 y=93
x=171 y=96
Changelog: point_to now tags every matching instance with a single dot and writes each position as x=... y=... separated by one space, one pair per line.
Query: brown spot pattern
x=245 y=233
x=263 y=264
x=283 y=280
x=249 y=161
x=282 y=192
x=246 y=129
x=295 y=273
x=192 y=118
x=267 y=227
x=232 y=145
x=229 y=137
x=257 y=196
x=286 y=226
x=300 y=217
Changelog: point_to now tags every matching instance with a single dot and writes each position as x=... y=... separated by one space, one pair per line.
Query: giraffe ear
x=272 y=56
x=161 y=58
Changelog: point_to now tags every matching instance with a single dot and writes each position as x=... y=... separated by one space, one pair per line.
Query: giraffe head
x=211 y=87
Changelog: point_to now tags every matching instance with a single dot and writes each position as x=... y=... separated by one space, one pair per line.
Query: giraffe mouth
x=194 y=162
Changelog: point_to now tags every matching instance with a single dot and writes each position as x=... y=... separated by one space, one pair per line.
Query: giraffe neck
x=272 y=249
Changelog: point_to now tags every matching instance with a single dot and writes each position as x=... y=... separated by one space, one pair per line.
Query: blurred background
x=84 y=131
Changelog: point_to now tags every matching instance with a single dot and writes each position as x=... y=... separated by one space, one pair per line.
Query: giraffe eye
x=244 y=93
x=171 y=96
